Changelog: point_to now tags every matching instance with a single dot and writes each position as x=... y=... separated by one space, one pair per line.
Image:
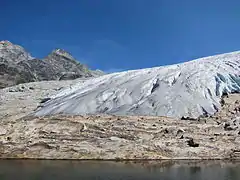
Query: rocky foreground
x=112 y=137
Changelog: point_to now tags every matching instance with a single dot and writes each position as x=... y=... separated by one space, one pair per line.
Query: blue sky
x=115 y=35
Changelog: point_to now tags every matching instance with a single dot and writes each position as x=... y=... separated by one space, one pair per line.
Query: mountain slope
x=10 y=72
x=41 y=70
x=189 y=89
x=18 y=66
x=63 y=63
x=12 y=53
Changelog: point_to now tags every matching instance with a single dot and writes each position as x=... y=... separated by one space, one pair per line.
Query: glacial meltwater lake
x=103 y=170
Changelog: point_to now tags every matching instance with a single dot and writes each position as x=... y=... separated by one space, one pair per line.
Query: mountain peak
x=62 y=52
x=13 y=53
x=65 y=63
x=5 y=42
x=8 y=45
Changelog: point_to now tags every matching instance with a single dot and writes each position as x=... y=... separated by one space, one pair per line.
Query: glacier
x=190 y=89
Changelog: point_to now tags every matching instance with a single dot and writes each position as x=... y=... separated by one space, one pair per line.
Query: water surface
x=95 y=170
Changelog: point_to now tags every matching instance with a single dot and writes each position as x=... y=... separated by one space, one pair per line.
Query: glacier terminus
x=190 y=89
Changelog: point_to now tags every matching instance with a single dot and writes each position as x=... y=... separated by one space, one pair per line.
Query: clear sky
x=115 y=35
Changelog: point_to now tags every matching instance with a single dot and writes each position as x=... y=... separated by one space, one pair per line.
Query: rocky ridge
x=17 y=66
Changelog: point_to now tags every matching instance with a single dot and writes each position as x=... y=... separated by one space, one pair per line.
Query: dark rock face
x=42 y=70
x=70 y=76
x=191 y=143
x=17 y=66
x=12 y=75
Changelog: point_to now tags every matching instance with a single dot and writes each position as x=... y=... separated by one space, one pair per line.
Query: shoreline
x=126 y=160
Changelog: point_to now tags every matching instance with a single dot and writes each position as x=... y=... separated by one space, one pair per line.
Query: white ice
x=187 y=89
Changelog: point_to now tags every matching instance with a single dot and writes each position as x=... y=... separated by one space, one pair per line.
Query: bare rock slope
x=66 y=66
x=189 y=89
x=10 y=72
